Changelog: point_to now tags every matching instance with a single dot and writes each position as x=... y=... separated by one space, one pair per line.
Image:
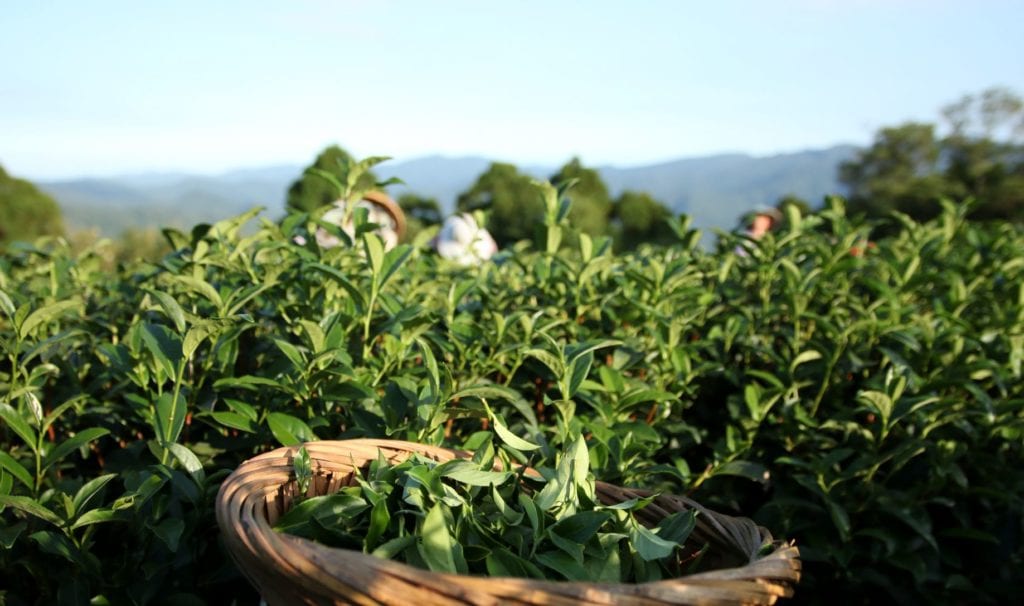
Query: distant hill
x=715 y=190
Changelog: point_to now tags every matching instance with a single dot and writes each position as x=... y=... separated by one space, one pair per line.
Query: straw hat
x=382 y=211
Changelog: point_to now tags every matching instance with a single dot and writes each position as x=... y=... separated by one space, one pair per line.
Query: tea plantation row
x=863 y=397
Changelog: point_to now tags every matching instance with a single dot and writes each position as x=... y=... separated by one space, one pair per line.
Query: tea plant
x=862 y=396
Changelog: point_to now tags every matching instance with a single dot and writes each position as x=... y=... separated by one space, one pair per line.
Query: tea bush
x=861 y=397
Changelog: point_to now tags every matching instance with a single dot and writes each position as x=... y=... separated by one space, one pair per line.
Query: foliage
x=420 y=213
x=26 y=212
x=910 y=167
x=132 y=245
x=465 y=517
x=861 y=395
x=801 y=206
x=515 y=212
x=638 y=218
x=591 y=202
x=311 y=191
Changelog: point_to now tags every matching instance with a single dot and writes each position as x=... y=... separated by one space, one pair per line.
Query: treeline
x=910 y=167
x=975 y=151
x=515 y=212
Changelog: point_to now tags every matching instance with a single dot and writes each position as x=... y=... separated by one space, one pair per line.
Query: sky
x=103 y=88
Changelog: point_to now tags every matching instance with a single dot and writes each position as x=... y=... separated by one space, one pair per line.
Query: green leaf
x=389 y=549
x=494 y=392
x=189 y=461
x=555 y=490
x=379 y=519
x=315 y=334
x=840 y=519
x=169 y=531
x=165 y=347
x=56 y=544
x=509 y=438
x=74 y=443
x=200 y=287
x=879 y=401
x=335 y=509
x=649 y=545
x=6 y=304
x=198 y=333
x=101 y=516
x=510 y=515
x=393 y=260
x=289 y=430
x=533 y=514
x=343 y=281
x=247 y=382
x=430 y=362
x=678 y=526
x=644 y=395
x=607 y=569
x=234 y=420
x=9 y=535
x=501 y=562
x=744 y=469
x=752 y=398
x=246 y=410
x=375 y=253
x=19 y=425
x=6 y=484
x=170 y=417
x=579 y=368
x=586 y=247
x=89 y=490
x=580 y=527
x=170 y=307
x=292 y=353
x=547 y=359
x=11 y=466
x=31 y=507
x=436 y=545
x=581 y=467
x=563 y=564
x=469 y=473
x=45 y=315
x=807 y=356
x=634 y=504
x=303 y=469
x=554 y=238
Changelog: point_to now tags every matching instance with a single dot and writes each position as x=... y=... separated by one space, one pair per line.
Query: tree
x=910 y=167
x=900 y=171
x=25 y=211
x=420 y=213
x=591 y=202
x=309 y=192
x=639 y=218
x=422 y=209
x=516 y=208
x=985 y=153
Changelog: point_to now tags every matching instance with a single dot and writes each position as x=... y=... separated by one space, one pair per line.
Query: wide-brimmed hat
x=747 y=218
x=384 y=201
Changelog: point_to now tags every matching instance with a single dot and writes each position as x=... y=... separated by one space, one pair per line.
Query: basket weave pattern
x=292 y=570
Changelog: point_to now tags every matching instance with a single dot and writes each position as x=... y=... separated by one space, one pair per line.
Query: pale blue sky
x=105 y=87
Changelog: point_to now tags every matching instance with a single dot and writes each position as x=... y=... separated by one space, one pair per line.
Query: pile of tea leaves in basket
x=471 y=516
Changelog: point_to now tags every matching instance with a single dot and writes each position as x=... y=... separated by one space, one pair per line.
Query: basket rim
x=252 y=542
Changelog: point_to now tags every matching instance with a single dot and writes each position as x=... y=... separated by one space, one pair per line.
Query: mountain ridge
x=715 y=190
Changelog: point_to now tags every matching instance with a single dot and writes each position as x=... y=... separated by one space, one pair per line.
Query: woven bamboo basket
x=292 y=570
